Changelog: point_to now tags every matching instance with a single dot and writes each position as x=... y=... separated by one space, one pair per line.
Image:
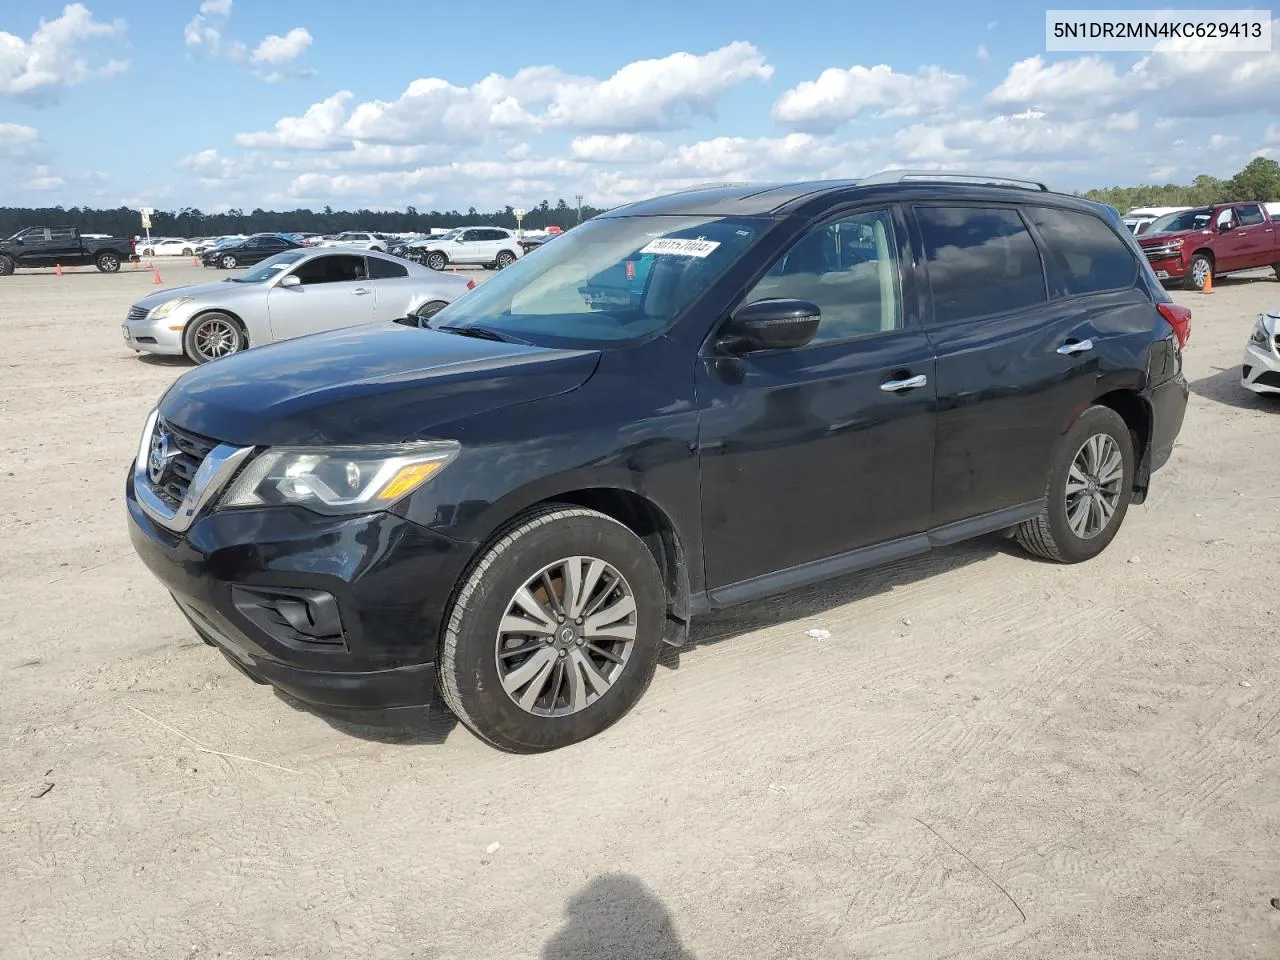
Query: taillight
x=471 y=285
x=1178 y=317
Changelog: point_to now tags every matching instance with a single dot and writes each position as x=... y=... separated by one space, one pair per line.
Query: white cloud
x=1162 y=174
x=1123 y=121
x=1164 y=124
x=317 y=129
x=18 y=141
x=745 y=158
x=840 y=95
x=1273 y=133
x=982 y=52
x=44 y=179
x=210 y=167
x=1030 y=134
x=205 y=35
x=1033 y=82
x=1219 y=140
x=276 y=49
x=619 y=148
x=35 y=69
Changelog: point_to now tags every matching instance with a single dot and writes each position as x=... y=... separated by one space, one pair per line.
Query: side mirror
x=771 y=325
x=1225 y=225
x=292 y=280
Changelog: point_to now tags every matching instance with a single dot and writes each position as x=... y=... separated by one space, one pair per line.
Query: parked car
x=170 y=248
x=1139 y=219
x=1193 y=246
x=525 y=500
x=363 y=241
x=1260 y=371
x=490 y=247
x=293 y=293
x=247 y=252
x=529 y=244
x=54 y=246
x=400 y=248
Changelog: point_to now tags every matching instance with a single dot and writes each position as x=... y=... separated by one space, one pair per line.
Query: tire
x=1051 y=535
x=186 y=252
x=505 y=259
x=1275 y=267
x=229 y=262
x=1200 y=268
x=212 y=336
x=6 y=266
x=108 y=262
x=429 y=309
x=559 y=712
x=435 y=260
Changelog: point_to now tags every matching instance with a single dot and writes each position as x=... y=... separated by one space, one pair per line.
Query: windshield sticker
x=676 y=247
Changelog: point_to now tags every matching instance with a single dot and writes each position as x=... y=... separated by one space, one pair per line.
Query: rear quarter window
x=1083 y=254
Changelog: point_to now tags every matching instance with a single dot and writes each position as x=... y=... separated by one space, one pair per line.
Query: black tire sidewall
x=429 y=261
x=1095 y=420
x=7 y=266
x=102 y=258
x=189 y=336
x=489 y=710
x=504 y=260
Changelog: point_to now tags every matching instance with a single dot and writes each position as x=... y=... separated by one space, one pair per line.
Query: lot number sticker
x=676 y=247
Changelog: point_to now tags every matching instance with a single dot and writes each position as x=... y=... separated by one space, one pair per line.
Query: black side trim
x=815 y=571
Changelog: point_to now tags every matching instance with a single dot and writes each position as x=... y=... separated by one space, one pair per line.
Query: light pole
x=578 y=197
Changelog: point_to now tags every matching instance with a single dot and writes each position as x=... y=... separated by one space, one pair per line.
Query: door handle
x=911 y=383
x=359 y=292
x=1072 y=347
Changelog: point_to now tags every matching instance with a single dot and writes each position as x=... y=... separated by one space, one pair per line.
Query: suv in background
x=681 y=405
x=1193 y=246
x=489 y=247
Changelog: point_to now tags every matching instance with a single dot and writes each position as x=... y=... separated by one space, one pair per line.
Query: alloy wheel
x=1093 y=486
x=1200 y=273
x=216 y=338
x=566 y=636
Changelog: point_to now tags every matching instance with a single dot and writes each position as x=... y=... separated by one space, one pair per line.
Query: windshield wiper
x=481 y=333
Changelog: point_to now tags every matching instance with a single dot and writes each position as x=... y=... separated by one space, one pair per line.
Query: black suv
x=680 y=405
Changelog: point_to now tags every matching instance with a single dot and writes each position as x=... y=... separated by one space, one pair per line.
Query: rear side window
x=981 y=261
x=69 y=233
x=1083 y=253
x=380 y=269
x=1250 y=215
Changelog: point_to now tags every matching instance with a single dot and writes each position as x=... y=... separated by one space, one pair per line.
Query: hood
x=1154 y=239
x=218 y=289
x=367 y=384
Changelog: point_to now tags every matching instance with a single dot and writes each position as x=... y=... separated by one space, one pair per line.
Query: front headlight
x=166 y=308
x=339 y=480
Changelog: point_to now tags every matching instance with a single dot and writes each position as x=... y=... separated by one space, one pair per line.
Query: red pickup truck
x=1193 y=245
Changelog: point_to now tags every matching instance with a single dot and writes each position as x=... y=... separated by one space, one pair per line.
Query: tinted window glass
x=849 y=268
x=1250 y=215
x=981 y=260
x=334 y=269
x=1084 y=254
x=384 y=269
x=69 y=233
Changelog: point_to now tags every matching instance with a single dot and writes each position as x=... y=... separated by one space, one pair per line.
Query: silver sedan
x=291 y=294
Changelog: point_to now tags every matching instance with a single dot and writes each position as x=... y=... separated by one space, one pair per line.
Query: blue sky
x=246 y=103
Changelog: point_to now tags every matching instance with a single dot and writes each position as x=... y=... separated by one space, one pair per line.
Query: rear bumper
x=1168 y=408
x=1260 y=371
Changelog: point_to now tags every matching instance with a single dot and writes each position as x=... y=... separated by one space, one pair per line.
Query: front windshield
x=1184 y=220
x=609 y=280
x=269 y=268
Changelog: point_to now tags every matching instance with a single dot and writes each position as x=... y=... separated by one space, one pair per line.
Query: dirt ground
x=989 y=757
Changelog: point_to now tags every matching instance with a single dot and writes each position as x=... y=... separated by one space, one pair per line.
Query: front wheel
x=212 y=335
x=1199 y=272
x=108 y=262
x=1090 y=486
x=436 y=261
x=555 y=633
x=1276 y=267
x=229 y=262
x=505 y=259
x=6 y=266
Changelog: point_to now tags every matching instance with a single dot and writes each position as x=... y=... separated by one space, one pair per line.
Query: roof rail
x=898 y=176
x=716 y=184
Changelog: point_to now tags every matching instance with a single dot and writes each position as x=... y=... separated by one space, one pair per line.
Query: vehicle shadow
x=1224 y=387
x=809 y=603
x=400 y=726
x=616 y=917
x=161 y=360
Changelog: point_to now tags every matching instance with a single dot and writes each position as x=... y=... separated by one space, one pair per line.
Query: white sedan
x=169 y=248
x=294 y=293
x=1260 y=371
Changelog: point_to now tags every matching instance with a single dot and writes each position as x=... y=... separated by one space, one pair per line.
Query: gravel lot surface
x=989 y=757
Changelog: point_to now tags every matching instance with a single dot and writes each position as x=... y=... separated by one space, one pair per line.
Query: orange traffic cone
x=1208 y=283
x=156 y=278
x=57 y=269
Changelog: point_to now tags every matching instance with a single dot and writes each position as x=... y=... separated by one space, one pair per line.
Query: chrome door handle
x=1072 y=347
x=359 y=292
x=911 y=383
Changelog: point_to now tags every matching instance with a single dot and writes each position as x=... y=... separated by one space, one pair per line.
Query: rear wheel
x=213 y=335
x=108 y=262
x=436 y=260
x=555 y=632
x=6 y=265
x=1090 y=485
x=1199 y=272
x=1276 y=268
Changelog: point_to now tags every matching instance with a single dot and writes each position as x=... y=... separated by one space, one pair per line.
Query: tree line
x=191 y=222
x=1259 y=180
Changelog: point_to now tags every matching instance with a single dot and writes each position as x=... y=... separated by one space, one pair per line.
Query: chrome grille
x=137 y=313
x=180 y=470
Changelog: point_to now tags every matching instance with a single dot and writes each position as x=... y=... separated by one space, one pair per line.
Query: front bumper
x=154 y=336
x=1168 y=267
x=387 y=582
x=1260 y=370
